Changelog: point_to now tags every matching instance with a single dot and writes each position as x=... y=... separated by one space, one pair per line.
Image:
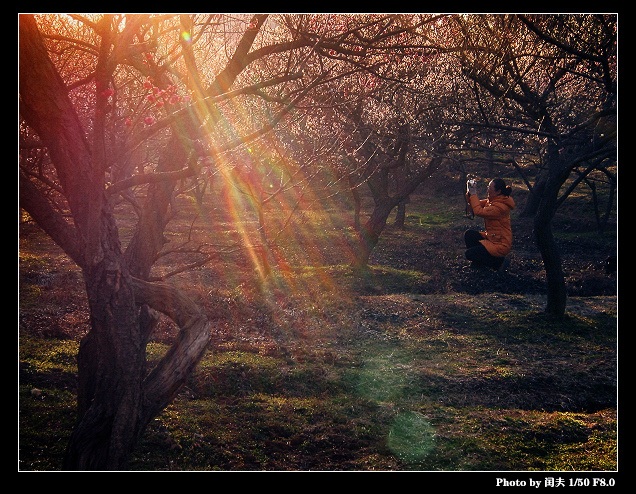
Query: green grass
x=470 y=397
x=322 y=368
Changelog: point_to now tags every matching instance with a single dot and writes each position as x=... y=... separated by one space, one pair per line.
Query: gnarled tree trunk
x=370 y=232
x=117 y=396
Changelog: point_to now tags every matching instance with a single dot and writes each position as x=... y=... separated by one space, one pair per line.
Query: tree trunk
x=534 y=197
x=557 y=294
x=117 y=397
x=357 y=202
x=110 y=371
x=370 y=232
x=400 y=215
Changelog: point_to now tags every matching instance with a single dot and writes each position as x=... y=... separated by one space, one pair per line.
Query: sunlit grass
x=320 y=367
x=431 y=218
x=246 y=410
x=46 y=355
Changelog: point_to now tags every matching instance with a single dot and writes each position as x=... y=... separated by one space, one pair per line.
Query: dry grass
x=418 y=364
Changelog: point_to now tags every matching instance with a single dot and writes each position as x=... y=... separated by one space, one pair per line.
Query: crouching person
x=491 y=246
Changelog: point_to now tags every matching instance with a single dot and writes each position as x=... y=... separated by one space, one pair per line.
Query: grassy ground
x=419 y=364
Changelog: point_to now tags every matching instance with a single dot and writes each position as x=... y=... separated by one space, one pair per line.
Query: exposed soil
x=437 y=255
x=442 y=257
x=419 y=284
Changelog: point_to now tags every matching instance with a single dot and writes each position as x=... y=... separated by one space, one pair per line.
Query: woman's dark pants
x=477 y=253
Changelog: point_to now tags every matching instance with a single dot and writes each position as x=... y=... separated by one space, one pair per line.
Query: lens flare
x=411 y=437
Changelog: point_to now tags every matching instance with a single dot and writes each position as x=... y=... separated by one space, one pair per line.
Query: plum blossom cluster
x=157 y=98
x=104 y=94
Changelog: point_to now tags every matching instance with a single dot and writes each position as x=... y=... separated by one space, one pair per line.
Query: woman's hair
x=500 y=186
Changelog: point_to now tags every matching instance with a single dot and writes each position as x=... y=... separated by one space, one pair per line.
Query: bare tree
x=132 y=109
x=113 y=120
x=544 y=85
x=391 y=129
x=126 y=108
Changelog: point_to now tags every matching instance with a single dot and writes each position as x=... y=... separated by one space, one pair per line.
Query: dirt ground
x=418 y=285
x=436 y=253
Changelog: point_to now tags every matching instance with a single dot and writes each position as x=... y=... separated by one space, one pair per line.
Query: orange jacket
x=496 y=214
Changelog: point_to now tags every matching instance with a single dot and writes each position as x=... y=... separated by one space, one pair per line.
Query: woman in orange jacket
x=490 y=246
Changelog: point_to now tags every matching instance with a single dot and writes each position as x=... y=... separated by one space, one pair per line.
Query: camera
x=471 y=185
x=471 y=188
